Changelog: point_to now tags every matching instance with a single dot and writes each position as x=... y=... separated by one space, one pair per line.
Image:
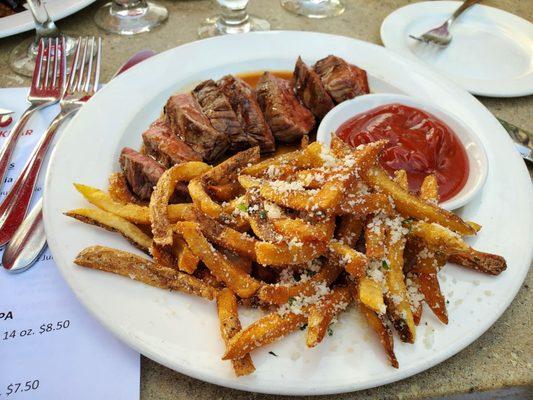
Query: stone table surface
x=499 y=359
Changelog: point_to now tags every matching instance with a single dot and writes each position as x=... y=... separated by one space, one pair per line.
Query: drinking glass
x=129 y=17
x=22 y=57
x=314 y=8
x=233 y=19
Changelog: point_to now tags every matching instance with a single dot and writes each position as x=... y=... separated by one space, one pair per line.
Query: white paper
x=50 y=346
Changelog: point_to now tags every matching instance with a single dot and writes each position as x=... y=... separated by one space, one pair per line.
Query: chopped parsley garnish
x=385 y=265
x=408 y=223
x=243 y=207
x=274 y=354
x=303 y=327
x=262 y=214
x=291 y=301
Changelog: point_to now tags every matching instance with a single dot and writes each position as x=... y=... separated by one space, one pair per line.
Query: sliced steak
x=141 y=172
x=339 y=78
x=361 y=78
x=287 y=118
x=185 y=117
x=256 y=131
x=217 y=108
x=310 y=90
x=160 y=143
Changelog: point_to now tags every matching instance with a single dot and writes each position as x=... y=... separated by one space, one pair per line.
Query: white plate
x=23 y=21
x=181 y=331
x=491 y=53
x=477 y=157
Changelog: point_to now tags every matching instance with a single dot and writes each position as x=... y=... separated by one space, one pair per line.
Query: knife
x=29 y=240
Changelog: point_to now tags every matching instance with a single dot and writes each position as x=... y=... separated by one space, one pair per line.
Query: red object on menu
x=419 y=143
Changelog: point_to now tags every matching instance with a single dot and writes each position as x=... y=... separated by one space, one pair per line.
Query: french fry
x=187 y=261
x=430 y=288
x=237 y=280
x=243 y=263
x=230 y=326
x=411 y=206
x=322 y=313
x=139 y=268
x=120 y=192
x=113 y=223
x=370 y=293
x=398 y=307
x=485 y=262
x=400 y=177
x=305 y=158
x=438 y=238
x=349 y=230
x=202 y=200
x=379 y=325
x=241 y=243
x=282 y=254
x=225 y=192
x=281 y=294
x=429 y=191
x=161 y=227
x=130 y=211
x=265 y=330
x=362 y=205
x=375 y=239
x=303 y=230
x=354 y=262
x=413 y=285
x=227 y=171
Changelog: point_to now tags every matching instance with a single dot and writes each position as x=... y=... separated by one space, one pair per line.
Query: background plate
x=181 y=331
x=491 y=53
x=22 y=22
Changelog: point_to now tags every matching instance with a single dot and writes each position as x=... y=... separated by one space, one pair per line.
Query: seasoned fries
x=301 y=234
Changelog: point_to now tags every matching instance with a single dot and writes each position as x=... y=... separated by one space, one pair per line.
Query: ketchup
x=419 y=143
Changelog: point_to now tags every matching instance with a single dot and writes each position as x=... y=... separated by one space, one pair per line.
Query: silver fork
x=441 y=36
x=45 y=90
x=81 y=84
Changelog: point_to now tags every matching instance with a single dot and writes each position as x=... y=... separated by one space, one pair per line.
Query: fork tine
x=74 y=68
x=47 y=68
x=88 y=80
x=63 y=65
x=98 y=62
x=56 y=63
x=82 y=77
x=36 y=79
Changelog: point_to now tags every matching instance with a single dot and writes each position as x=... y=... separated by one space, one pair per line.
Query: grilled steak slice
x=339 y=78
x=287 y=118
x=256 y=131
x=141 y=172
x=361 y=78
x=168 y=150
x=187 y=121
x=217 y=108
x=310 y=90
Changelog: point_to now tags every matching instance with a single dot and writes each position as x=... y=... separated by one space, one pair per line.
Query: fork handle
x=6 y=152
x=466 y=5
x=14 y=207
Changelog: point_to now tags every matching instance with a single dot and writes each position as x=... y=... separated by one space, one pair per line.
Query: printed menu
x=50 y=346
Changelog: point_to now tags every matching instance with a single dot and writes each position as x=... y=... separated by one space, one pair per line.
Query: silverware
x=441 y=36
x=45 y=90
x=523 y=140
x=29 y=240
x=81 y=84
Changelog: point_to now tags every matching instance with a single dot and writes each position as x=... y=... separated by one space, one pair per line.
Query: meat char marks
x=186 y=120
x=141 y=172
x=343 y=81
x=161 y=143
x=310 y=90
x=287 y=118
x=255 y=129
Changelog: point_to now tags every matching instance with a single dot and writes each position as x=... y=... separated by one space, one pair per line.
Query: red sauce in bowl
x=419 y=143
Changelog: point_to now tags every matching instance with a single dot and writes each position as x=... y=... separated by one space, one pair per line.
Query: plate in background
x=23 y=21
x=491 y=53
